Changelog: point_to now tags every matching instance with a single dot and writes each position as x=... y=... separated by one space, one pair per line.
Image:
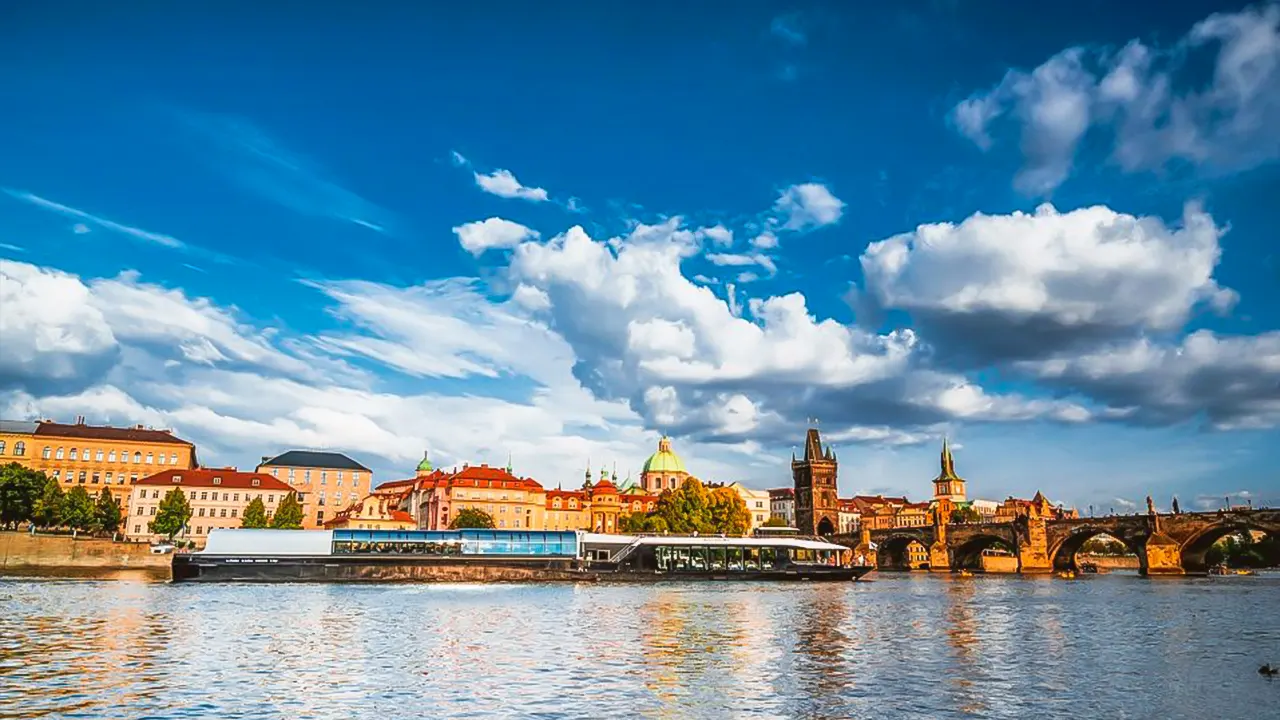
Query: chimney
x=79 y=419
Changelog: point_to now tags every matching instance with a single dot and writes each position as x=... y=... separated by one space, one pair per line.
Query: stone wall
x=999 y=563
x=22 y=553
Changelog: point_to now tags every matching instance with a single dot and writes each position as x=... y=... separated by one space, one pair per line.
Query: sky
x=553 y=232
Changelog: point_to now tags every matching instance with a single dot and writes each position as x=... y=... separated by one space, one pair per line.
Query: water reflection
x=902 y=646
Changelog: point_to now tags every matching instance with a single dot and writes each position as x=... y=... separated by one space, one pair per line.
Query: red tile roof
x=205 y=478
x=102 y=432
x=782 y=492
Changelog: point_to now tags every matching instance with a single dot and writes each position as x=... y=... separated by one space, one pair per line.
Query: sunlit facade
x=218 y=498
x=326 y=482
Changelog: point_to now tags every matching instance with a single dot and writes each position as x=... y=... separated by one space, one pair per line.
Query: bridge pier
x=1033 y=550
x=940 y=557
x=1161 y=555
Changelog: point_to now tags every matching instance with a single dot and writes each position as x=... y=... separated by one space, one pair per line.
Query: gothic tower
x=948 y=485
x=817 y=509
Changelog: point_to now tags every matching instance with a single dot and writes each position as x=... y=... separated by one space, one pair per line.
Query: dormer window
x=177 y=478
x=217 y=481
x=256 y=482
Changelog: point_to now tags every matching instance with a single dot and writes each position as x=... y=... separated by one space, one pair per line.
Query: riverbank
x=39 y=555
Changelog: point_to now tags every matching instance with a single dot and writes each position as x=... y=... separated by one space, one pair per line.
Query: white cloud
x=1150 y=100
x=764 y=241
x=807 y=206
x=134 y=232
x=504 y=184
x=718 y=234
x=476 y=237
x=79 y=228
x=743 y=260
x=1008 y=285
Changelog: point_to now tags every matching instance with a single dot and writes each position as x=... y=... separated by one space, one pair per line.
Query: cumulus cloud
x=503 y=183
x=476 y=237
x=743 y=260
x=807 y=206
x=1148 y=100
x=995 y=288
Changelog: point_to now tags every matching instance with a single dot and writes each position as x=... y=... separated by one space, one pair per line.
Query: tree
x=692 y=508
x=471 y=518
x=107 y=515
x=254 y=515
x=729 y=513
x=638 y=522
x=47 y=511
x=78 y=509
x=20 y=487
x=776 y=521
x=289 y=515
x=965 y=515
x=172 y=516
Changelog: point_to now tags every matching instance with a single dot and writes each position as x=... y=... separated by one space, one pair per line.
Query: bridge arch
x=966 y=553
x=1063 y=555
x=891 y=551
x=1196 y=548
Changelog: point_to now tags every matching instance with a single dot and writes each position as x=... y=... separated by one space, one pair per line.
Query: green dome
x=425 y=465
x=665 y=460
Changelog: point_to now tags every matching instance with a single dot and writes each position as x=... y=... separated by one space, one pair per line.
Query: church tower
x=948 y=485
x=817 y=509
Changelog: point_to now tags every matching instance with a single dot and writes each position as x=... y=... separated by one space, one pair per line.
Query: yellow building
x=218 y=498
x=326 y=482
x=757 y=502
x=512 y=502
x=94 y=456
x=912 y=515
x=568 y=510
x=664 y=470
x=373 y=512
x=917 y=555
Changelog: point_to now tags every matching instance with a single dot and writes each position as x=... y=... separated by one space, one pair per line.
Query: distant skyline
x=556 y=232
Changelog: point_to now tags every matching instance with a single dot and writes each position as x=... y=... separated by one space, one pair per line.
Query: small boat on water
x=1246 y=572
x=965 y=574
x=237 y=555
x=1218 y=570
x=1088 y=567
x=1067 y=575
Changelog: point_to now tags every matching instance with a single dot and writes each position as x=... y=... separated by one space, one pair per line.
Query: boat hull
x=381 y=568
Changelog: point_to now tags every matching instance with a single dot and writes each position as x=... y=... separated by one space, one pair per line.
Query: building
x=986 y=509
x=877 y=512
x=1037 y=507
x=664 y=470
x=758 y=503
x=326 y=482
x=917 y=555
x=513 y=502
x=949 y=493
x=850 y=518
x=817 y=508
x=218 y=498
x=913 y=515
x=782 y=505
x=94 y=456
x=373 y=512
x=568 y=510
x=597 y=507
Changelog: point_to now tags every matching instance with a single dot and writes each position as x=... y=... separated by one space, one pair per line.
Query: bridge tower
x=817 y=509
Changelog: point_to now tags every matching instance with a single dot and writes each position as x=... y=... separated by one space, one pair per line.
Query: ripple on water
x=902 y=646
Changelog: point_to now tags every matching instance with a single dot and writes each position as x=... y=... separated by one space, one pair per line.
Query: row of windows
x=19 y=448
x=204 y=495
x=93 y=478
x=324 y=476
x=49 y=453
x=199 y=529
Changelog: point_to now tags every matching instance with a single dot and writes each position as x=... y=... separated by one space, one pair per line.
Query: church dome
x=665 y=460
x=425 y=465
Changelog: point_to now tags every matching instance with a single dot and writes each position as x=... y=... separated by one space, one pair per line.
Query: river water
x=901 y=646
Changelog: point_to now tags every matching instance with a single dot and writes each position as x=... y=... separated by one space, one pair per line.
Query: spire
x=948 y=462
x=812 y=445
x=509 y=463
x=588 y=469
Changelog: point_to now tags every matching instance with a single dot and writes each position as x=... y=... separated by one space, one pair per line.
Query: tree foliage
x=1242 y=551
x=78 y=509
x=107 y=515
x=471 y=518
x=20 y=487
x=1105 y=545
x=692 y=508
x=172 y=516
x=254 y=515
x=965 y=515
x=776 y=521
x=288 y=515
x=47 y=511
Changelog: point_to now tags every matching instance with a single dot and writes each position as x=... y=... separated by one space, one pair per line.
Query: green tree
x=776 y=521
x=471 y=518
x=47 y=511
x=20 y=487
x=254 y=515
x=729 y=513
x=78 y=509
x=685 y=510
x=107 y=515
x=965 y=515
x=172 y=516
x=288 y=515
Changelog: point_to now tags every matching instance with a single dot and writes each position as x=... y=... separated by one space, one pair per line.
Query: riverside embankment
x=64 y=556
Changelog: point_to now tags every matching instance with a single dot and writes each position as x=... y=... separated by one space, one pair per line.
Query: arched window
x=1 y=447
x=137 y=457
x=150 y=458
x=58 y=455
x=74 y=455
x=46 y=453
x=112 y=456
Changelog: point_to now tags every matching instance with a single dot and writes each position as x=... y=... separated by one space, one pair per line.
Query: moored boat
x=503 y=556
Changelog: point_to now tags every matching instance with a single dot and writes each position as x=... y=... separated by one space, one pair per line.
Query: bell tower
x=948 y=485
x=817 y=509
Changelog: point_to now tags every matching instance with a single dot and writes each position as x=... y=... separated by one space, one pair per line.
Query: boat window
x=803 y=555
x=698 y=558
x=751 y=558
x=717 y=558
x=767 y=557
x=735 y=559
x=662 y=554
x=680 y=558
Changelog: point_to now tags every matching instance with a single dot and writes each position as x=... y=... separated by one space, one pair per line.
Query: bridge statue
x=1151 y=507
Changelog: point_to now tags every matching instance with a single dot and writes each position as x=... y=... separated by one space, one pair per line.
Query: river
x=901 y=646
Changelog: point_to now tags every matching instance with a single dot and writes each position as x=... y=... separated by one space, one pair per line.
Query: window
x=155 y=494
x=153 y=510
x=224 y=512
x=137 y=457
x=339 y=477
x=217 y=481
x=256 y=482
x=133 y=478
x=324 y=476
x=271 y=498
x=319 y=516
x=111 y=456
x=291 y=474
x=73 y=454
x=58 y=455
x=225 y=497
x=139 y=509
x=201 y=513
x=44 y=454
x=19 y=448
x=199 y=529
x=97 y=478
x=306 y=476
x=1 y=447
x=355 y=477
x=56 y=474
x=233 y=512
x=98 y=456
x=137 y=529
x=150 y=458
x=82 y=477
x=173 y=458
x=236 y=497
x=204 y=496
x=108 y=477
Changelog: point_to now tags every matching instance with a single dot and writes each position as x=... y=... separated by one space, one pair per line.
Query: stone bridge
x=1164 y=544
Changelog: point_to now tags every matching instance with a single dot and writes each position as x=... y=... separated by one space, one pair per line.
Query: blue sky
x=556 y=232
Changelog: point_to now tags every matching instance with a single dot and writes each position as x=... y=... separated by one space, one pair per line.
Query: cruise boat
x=237 y=555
